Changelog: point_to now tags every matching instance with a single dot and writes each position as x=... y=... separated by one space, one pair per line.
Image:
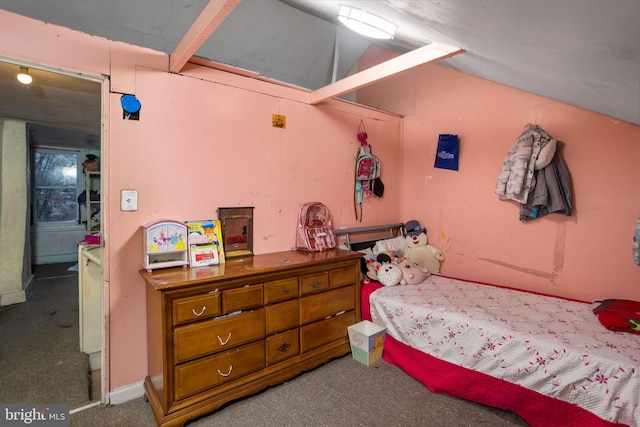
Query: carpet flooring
x=40 y=358
x=341 y=393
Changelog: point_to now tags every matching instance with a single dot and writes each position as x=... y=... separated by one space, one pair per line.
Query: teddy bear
x=412 y=273
x=423 y=254
x=389 y=274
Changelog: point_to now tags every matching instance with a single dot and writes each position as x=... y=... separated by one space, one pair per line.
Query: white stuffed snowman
x=423 y=254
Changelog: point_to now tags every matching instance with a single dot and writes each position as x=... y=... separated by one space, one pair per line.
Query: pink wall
x=204 y=142
x=201 y=145
x=585 y=256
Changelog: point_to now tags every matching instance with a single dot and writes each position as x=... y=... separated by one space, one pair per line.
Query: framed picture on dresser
x=237 y=231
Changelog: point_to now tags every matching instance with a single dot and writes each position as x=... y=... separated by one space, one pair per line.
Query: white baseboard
x=95 y=360
x=15 y=297
x=126 y=393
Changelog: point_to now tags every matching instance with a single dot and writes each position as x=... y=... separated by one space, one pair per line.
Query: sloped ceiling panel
x=284 y=44
x=585 y=54
x=156 y=24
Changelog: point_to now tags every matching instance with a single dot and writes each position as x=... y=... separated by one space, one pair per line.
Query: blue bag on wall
x=448 y=152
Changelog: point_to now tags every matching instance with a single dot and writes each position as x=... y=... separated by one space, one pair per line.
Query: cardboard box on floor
x=367 y=341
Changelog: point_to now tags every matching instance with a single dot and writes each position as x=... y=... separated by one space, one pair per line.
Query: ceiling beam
x=429 y=53
x=211 y=17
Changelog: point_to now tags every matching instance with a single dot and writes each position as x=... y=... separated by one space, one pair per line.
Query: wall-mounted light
x=24 y=77
x=367 y=24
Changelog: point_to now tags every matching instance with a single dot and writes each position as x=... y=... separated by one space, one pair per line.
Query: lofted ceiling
x=584 y=53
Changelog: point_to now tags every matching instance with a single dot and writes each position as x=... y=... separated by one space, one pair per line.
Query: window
x=55 y=186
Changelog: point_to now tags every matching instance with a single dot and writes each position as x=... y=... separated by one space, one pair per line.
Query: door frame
x=103 y=80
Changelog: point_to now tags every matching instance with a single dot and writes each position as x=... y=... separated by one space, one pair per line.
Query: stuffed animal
x=412 y=273
x=369 y=265
x=438 y=255
x=426 y=256
x=413 y=227
x=416 y=240
x=415 y=244
x=369 y=269
x=389 y=256
x=389 y=274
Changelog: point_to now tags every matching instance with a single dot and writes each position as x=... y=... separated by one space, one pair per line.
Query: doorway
x=40 y=357
x=62 y=111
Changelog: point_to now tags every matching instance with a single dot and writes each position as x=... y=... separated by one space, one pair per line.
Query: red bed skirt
x=440 y=376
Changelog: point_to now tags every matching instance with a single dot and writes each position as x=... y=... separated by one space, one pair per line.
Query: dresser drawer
x=282 y=346
x=203 y=338
x=280 y=290
x=281 y=316
x=241 y=298
x=314 y=307
x=341 y=277
x=196 y=307
x=315 y=282
x=323 y=332
x=202 y=374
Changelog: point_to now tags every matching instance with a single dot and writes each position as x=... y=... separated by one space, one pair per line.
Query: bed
x=545 y=358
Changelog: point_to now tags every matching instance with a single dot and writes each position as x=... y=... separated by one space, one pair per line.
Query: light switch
x=129 y=200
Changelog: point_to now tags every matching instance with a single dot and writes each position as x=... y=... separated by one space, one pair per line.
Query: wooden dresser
x=222 y=332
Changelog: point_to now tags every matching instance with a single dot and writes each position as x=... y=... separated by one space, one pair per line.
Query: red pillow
x=621 y=315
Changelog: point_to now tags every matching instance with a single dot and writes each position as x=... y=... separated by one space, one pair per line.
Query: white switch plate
x=129 y=200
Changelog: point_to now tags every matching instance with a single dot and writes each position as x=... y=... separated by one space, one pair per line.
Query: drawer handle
x=284 y=347
x=316 y=284
x=201 y=311
x=228 y=373
x=286 y=290
x=225 y=342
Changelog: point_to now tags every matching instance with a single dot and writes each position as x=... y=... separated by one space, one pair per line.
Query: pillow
x=392 y=244
x=620 y=315
x=367 y=253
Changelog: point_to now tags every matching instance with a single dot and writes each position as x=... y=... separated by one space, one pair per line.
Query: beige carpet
x=341 y=393
x=40 y=358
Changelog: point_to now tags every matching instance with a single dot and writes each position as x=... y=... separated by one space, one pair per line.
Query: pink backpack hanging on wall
x=315 y=232
x=367 y=172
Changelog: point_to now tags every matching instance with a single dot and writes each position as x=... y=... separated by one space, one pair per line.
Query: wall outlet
x=128 y=200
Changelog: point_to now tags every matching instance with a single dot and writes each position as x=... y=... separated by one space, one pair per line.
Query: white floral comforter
x=551 y=345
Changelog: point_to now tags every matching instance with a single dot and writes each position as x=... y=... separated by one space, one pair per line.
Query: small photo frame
x=237 y=231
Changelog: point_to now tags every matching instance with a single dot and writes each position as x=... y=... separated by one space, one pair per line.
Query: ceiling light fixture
x=365 y=23
x=24 y=77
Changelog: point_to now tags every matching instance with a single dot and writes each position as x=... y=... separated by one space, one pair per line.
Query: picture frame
x=237 y=231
